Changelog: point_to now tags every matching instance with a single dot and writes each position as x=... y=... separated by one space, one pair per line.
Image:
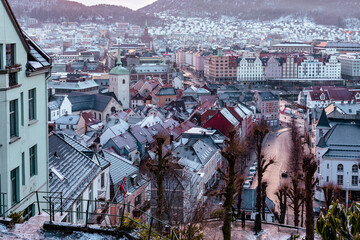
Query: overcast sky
x=133 y=4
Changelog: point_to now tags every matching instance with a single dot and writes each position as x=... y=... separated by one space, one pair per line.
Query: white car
x=247 y=184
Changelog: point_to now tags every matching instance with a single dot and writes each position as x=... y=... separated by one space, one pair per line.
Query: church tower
x=119 y=78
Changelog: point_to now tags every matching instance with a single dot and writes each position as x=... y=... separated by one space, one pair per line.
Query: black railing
x=54 y=207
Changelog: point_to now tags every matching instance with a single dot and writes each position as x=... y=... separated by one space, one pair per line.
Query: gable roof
x=77 y=170
x=15 y=23
x=82 y=101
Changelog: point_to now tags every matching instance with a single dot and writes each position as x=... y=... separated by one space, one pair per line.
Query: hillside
x=323 y=11
x=62 y=10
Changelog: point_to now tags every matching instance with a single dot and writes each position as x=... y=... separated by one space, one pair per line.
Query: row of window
x=15 y=173
x=340 y=168
x=14 y=112
x=340 y=180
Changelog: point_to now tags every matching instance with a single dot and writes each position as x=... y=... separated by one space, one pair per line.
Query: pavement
x=212 y=231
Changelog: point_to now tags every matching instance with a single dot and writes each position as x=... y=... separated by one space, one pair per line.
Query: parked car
x=255 y=164
x=247 y=184
x=250 y=179
x=284 y=174
x=252 y=169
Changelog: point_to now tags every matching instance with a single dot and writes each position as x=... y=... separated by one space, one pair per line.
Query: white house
x=58 y=106
x=250 y=70
x=338 y=155
x=24 y=70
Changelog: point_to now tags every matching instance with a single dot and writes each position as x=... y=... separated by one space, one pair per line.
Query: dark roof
x=178 y=106
x=268 y=96
x=323 y=120
x=77 y=170
x=322 y=143
x=82 y=101
x=343 y=141
x=166 y=92
x=249 y=201
x=120 y=168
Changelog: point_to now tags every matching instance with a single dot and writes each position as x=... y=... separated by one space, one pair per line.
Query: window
x=79 y=209
x=138 y=200
x=327 y=178
x=14 y=128
x=94 y=115
x=102 y=180
x=1 y=57
x=354 y=180
x=32 y=104
x=123 y=81
x=33 y=160
x=355 y=168
x=22 y=108
x=340 y=168
x=340 y=179
x=10 y=54
x=14 y=177
x=23 y=168
x=327 y=166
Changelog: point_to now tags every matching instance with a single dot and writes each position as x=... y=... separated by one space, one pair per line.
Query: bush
x=16 y=217
x=217 y=214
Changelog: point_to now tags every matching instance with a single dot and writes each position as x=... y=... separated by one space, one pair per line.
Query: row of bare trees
x=299 y=190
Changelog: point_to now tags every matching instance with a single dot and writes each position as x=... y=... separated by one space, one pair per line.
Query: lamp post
x=347 y=197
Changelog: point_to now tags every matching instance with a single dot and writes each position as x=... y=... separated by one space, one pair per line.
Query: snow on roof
x=227 y=114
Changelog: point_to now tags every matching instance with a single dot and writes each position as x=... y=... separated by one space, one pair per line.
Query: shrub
x=16 y=217
x=217 y=214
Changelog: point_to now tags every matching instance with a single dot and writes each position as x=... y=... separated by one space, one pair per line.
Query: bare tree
x=231 y=153
x=259 y=134
x=331 y=193
x=282 y=195
x=309 y=169
x=263 y=199
x=295 y=172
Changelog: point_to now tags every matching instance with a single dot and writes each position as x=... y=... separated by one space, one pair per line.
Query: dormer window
x=322 y=97
x=357 y=96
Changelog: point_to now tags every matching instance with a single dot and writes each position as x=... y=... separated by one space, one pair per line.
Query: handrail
x=51 y=200
x=26 y=198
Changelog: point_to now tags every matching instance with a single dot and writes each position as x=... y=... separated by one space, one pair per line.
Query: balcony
x=11 y=69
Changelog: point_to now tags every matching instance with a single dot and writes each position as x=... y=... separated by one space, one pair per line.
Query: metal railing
x=55 y=204
x=3 y=204
x=14 y=206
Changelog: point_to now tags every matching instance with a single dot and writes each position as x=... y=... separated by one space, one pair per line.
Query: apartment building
x=24 y=70
x=220 y=68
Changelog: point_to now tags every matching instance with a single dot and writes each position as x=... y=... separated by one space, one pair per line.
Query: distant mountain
x=323 y=11
x=62 y=10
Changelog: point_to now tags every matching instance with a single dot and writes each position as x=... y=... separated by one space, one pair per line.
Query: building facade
x=250 y=71
x=24 y=70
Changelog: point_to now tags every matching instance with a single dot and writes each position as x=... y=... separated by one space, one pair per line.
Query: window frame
x=33 y=161
x=32 y=104
x=14 y=117
x=340 y=167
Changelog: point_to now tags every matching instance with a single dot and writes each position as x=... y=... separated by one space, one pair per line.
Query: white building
x=312 y=68
x=24 y=70
x=337 y=154
x=120 y=83
x=250 y=70
x=350 y=65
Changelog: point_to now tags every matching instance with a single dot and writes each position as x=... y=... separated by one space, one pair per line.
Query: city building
x=24 y=71
x=350 y=66
x=120 y=83
x=293 y=47
x=220 y=68
x=250 y=71
x=268 y=105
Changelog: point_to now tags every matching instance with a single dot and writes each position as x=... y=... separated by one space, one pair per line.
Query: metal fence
x=55 y=205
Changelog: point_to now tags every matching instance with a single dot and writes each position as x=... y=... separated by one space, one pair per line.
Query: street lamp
x=347 y=196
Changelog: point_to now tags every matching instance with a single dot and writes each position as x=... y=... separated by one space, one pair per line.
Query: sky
x=133 y=4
